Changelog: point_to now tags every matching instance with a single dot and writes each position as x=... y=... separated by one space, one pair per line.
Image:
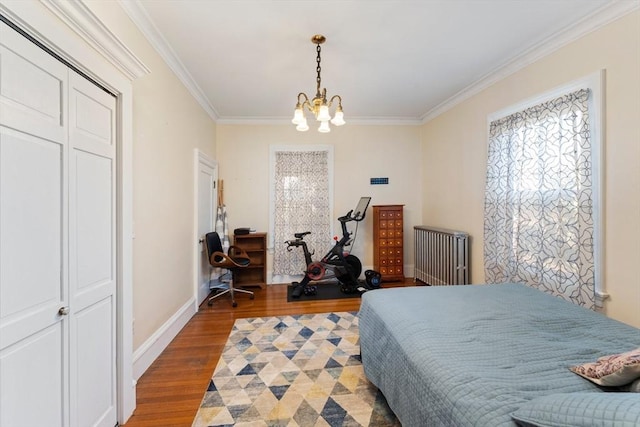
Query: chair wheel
x=210 y=303
x=252 y=296
x=234 y=304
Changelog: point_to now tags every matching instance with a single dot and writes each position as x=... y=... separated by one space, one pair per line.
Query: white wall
x=455 y=144
x=168 y=125
x=360 y=153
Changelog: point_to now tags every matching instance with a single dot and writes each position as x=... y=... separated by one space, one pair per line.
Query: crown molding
x=370 y=121
x=89 y=28
x=141 y=19
x=598 y=19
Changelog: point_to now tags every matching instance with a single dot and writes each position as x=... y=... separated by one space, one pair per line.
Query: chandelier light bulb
x=338 y=119
x=323 y=114
x=302 y=126
x=324 y=127
x=298 y=115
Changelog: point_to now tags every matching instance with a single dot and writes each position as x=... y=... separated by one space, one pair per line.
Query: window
x=301 y=200
x=542 y=200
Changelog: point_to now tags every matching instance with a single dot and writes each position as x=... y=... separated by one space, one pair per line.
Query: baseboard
x=149 y=351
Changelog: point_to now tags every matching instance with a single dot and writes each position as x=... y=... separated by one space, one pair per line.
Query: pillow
x=612 y=370
x=585 y=409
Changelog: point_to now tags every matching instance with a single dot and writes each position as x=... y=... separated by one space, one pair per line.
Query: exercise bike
x=337 y=263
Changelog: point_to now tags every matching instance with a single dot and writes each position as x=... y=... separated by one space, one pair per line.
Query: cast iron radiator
x=441 y=256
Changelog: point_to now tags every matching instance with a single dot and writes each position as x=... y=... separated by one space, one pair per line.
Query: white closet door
x=57 y=243
x=92 y=260
x=33 y=215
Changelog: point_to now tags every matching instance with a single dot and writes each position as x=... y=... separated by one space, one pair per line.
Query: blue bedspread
x=471 y=355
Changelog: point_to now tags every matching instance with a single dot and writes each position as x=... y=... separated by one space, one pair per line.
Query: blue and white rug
x=302 y=370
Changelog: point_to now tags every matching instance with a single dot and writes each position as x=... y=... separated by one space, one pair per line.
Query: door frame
x=76 y=35
x=200 y=159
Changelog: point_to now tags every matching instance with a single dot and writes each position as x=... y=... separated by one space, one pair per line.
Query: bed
x=491 y=355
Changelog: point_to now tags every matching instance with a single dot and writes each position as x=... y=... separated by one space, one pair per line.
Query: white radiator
x=441 y=256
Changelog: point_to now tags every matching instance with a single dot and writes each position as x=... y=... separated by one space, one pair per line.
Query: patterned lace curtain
x=301 y=204
x=538 y=225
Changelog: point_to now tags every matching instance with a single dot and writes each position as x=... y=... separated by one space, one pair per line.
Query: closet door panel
x=32 y=86
x=92 y=118
x=31 y=225
x=26 y=373
x=93 y=221
x=95 y=369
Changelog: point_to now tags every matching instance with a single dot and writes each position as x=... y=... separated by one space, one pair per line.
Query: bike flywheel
x=315 y=271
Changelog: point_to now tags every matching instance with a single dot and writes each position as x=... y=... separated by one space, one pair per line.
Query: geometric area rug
x=301 y=370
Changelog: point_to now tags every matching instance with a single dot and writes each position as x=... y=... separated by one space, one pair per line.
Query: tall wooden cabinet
x=255 y=244
x=388 y=256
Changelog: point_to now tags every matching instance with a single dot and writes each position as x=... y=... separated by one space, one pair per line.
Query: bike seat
x=301 y=235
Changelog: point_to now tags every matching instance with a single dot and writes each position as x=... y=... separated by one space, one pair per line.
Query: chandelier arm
x=305 y=103
x=309 y=107
x=306 y=98
x=339 y=100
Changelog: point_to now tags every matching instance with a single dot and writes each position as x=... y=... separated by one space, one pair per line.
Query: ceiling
x=397 y=61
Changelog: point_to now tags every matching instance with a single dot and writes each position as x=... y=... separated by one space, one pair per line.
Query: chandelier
x=319 y=105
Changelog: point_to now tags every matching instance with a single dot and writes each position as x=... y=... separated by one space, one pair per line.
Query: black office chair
x=235 y=258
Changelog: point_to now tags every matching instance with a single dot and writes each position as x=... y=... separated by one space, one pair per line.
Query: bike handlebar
x=359 y=216
x=347 y=217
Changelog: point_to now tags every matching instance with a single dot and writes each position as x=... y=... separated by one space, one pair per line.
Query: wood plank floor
x=170 y=391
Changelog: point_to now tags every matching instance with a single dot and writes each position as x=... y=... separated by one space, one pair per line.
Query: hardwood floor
x=170 y=391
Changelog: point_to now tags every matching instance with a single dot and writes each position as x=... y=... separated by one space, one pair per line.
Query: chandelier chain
x=318 y=80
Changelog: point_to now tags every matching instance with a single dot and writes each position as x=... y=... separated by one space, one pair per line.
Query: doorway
x=206 y=207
